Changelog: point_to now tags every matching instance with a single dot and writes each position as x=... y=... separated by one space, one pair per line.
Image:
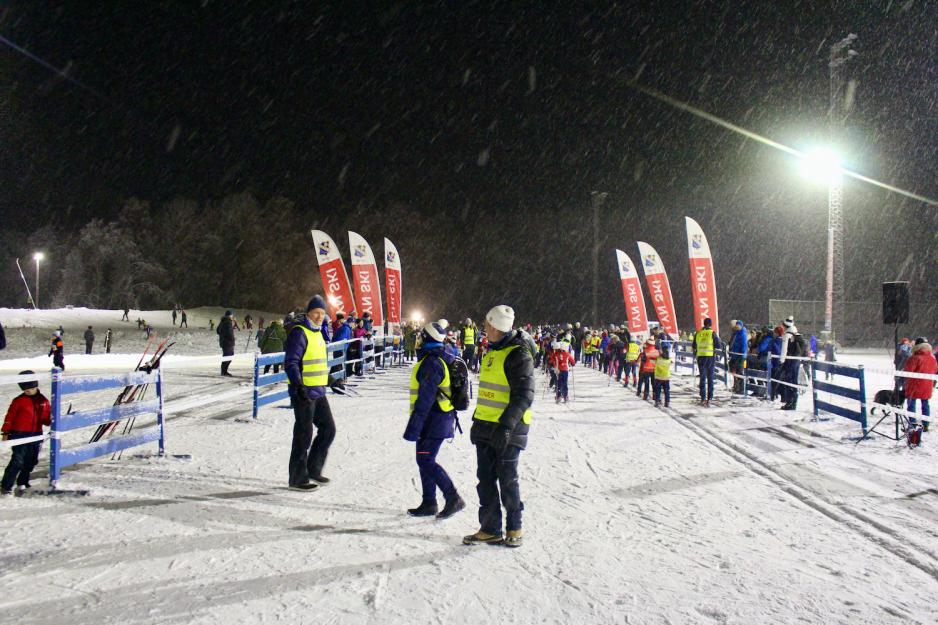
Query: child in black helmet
x=26 y=415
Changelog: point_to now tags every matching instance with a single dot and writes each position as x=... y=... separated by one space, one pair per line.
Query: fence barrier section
x=59 y=458
x=374 y=353
x=831 y=370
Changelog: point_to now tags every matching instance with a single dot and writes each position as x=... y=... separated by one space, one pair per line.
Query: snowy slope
x=738 y=514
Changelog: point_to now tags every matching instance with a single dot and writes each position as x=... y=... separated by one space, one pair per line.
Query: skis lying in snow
x=134 y=392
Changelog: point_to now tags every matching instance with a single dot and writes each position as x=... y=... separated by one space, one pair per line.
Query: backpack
x=458 y=383
x=797 y=346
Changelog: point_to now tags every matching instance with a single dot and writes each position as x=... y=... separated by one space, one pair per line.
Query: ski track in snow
x=736 y=514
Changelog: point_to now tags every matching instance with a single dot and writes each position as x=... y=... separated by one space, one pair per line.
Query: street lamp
x=38 y=256
x=824 y=165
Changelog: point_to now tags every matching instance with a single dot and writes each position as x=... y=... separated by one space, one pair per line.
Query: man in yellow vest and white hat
x=500 y=428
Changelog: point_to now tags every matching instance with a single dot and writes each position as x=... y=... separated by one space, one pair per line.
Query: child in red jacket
x=646 y=368
x=562 y=360
x=28 y=412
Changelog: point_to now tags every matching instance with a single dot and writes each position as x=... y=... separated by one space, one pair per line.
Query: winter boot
x=322 y=480
x=788 y=406
x=514 y=538
x=481 y=538
x=657 y=404
x=426 y=508
x=452 y=506
x=308 y=486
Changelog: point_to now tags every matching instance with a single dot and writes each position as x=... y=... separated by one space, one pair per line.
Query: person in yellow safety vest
x=594 y=348
x=663 y=378
x=704 y=345
x=632 y=353
x=306 y=363
x=500 y=426
x=468 y=338
x=432 y=420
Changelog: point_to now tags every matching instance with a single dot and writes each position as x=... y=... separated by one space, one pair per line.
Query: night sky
x=487 y=128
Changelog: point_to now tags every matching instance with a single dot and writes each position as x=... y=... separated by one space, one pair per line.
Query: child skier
x=561 y=360
x=646 y=371
x=663 y=378
x=28 y=412
x=631 y=362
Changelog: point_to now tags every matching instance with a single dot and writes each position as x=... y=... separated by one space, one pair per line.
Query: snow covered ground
x=737 y=514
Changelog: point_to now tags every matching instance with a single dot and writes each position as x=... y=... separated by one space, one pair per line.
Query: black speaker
x=895 y=302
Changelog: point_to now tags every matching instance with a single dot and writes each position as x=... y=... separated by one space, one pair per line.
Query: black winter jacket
x=225 y=331
x=519 y=369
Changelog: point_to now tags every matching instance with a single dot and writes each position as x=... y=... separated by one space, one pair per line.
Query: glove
x=500 y=439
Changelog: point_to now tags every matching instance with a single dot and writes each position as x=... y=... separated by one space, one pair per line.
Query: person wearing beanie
x=432 y=420
x=921 y=361
x=89 y=339
x=226 y=340
x=792 y=348
x=468 y=336
x=706 y=342
x=57 y=350
x=739 y=347
x=500 y=426
x=663 y=378
x=27 y=413
x=646 y=368
x=306 y=363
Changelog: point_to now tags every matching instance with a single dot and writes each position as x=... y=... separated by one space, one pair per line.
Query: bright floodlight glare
x=332 y=299
x=821 y=164
x=39 y=256
x=416 y=316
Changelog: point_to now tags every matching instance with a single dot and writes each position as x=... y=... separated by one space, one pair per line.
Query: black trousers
x=308 y=456
x=498 y=486
x=226 y=351
x=88 y=347
x=23 y=461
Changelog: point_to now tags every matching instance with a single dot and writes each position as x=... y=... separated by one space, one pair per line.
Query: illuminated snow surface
x=735 y=514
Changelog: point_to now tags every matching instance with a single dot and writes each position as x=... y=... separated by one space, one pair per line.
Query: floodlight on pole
x=38 y=256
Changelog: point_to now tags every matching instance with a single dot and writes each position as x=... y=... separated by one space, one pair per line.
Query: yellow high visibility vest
x=632 y=354
x=470 y=337
x=445 y=404
x=315 y=364
x=663 y=369
x=704 y=340
x=494 y=392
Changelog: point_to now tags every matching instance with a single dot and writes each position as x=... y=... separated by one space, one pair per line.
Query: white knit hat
x=436 y=330
x=501 y=317
x=789 y=321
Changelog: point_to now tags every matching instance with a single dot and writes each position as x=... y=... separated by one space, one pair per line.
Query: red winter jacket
x=648 y=359
x=561 y=360
x=921 y=361
x=27 y=414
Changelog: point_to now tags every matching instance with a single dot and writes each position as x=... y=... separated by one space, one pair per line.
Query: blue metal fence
x=855 y=394
x=59 y=457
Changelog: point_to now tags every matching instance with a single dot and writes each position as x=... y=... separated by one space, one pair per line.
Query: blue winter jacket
x=427 y=420
x=293 y=356
x=344 y=333
x=740 y=340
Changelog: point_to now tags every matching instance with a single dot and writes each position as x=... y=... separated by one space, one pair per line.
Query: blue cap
x=316 y=302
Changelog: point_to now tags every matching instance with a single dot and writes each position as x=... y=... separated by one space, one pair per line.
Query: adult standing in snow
x=738 y=350
x=174 y=316
x=107 y=341
x=272 y=342
x=432 y=420
x=57 y=351
x=89 y=339
x=126 y=314
x=793 y=348
x=307 y=365
x=921 y=361
x=3 y=338
x=704 y=344
x=226 y=340
x=500 y=428
x=184 y=322
x=468 y=340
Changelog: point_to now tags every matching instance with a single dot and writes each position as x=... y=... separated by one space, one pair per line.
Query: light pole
x=596 y=199
x=841 y=102
x=38 y=256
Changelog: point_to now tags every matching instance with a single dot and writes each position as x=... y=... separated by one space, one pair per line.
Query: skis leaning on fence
x=134 y=392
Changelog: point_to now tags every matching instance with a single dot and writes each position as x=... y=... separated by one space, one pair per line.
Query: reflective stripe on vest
x=445 y=404
x=663 y=369
x=632 y=354
x=315 y=364
x=494 y=391
x=704 y=340
x=469 y=337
